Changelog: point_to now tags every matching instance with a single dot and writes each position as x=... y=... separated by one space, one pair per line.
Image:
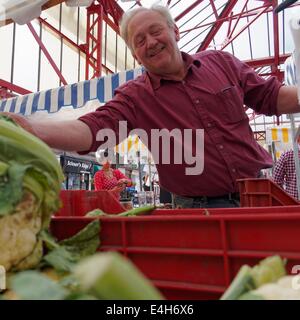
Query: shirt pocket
x=232 y=104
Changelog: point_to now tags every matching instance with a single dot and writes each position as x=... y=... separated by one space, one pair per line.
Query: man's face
x=153 y=42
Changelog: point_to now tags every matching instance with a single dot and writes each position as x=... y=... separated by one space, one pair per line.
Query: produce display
x=38 y=266
x=71 y=270
x=30 y=181
x=265 y=281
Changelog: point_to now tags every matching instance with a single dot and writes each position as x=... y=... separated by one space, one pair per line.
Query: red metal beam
x=244 y=28
x=187 y=10
x=94 y=41
x=249 y=13
x=112 y=8
x=238 y=19
x=275 y=67
x=79 y=47
x=217 y=25
x=5 y=93
x=60 y=34
x=46 y=53
x=111 y=23
x=214 y=8
x=13 y=87
x=255 y=63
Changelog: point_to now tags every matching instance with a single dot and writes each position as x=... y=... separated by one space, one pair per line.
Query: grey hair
x=127 y=16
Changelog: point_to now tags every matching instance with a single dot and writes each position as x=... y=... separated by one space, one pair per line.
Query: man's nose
x=151 y=41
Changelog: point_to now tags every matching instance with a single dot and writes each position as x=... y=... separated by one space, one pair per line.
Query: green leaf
x=31 y=165
x=90 y=231
x=3 y=168
x=61 y=259
x=85 y=242
x=137 y=211
x=32 y=285
x=96 y=213
x=48 y=239
x=68 y=252
x=11 y=187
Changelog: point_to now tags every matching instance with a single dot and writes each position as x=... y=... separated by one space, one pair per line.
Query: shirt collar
x=188 y=60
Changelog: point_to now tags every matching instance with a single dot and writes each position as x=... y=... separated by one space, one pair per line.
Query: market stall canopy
x=75 y=95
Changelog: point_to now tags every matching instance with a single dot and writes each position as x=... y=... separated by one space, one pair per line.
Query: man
x=285 y=173
x=178 y=91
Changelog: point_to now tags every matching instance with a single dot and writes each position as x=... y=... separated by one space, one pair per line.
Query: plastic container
x=195 y=253
x=127 y=204
x=263 y=193
x=80 y=202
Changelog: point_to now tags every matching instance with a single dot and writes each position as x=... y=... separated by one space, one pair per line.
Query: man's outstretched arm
x=70 y=135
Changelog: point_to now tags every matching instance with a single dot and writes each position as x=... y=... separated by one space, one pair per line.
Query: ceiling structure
x=250 y=29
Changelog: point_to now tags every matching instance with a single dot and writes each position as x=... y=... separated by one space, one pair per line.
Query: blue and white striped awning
x=75 y=95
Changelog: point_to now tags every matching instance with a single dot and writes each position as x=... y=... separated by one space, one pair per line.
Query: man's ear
x=177 y=33
x=136 y=58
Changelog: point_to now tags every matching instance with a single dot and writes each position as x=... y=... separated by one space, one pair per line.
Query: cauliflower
x=30 y=179
x=18 y=232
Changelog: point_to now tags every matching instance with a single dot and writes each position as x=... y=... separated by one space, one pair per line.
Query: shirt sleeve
x=107 y=118
x=98 y=181
x=279 y=170
x=259 y=94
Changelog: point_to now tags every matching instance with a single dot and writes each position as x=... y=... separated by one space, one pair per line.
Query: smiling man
x=153 y=42
x=197 y=101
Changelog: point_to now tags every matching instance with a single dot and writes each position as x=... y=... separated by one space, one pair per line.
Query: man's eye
x=140 y=42
x=156 y=33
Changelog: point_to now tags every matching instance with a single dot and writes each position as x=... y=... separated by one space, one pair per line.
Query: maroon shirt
x=210 y=97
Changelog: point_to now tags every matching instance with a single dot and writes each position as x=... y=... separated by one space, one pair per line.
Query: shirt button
x=221 y=146
x=209 y=125
x=233 y=170
x=183 y=82
x=197 y=101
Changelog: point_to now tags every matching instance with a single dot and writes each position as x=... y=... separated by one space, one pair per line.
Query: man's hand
x=67 y=135
x=20 y=120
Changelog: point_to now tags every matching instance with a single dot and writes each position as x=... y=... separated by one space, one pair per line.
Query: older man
x=205 y=91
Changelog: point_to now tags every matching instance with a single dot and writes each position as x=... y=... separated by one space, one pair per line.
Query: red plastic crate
x=79 y=202
x=195 y=255
x=263 y=193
